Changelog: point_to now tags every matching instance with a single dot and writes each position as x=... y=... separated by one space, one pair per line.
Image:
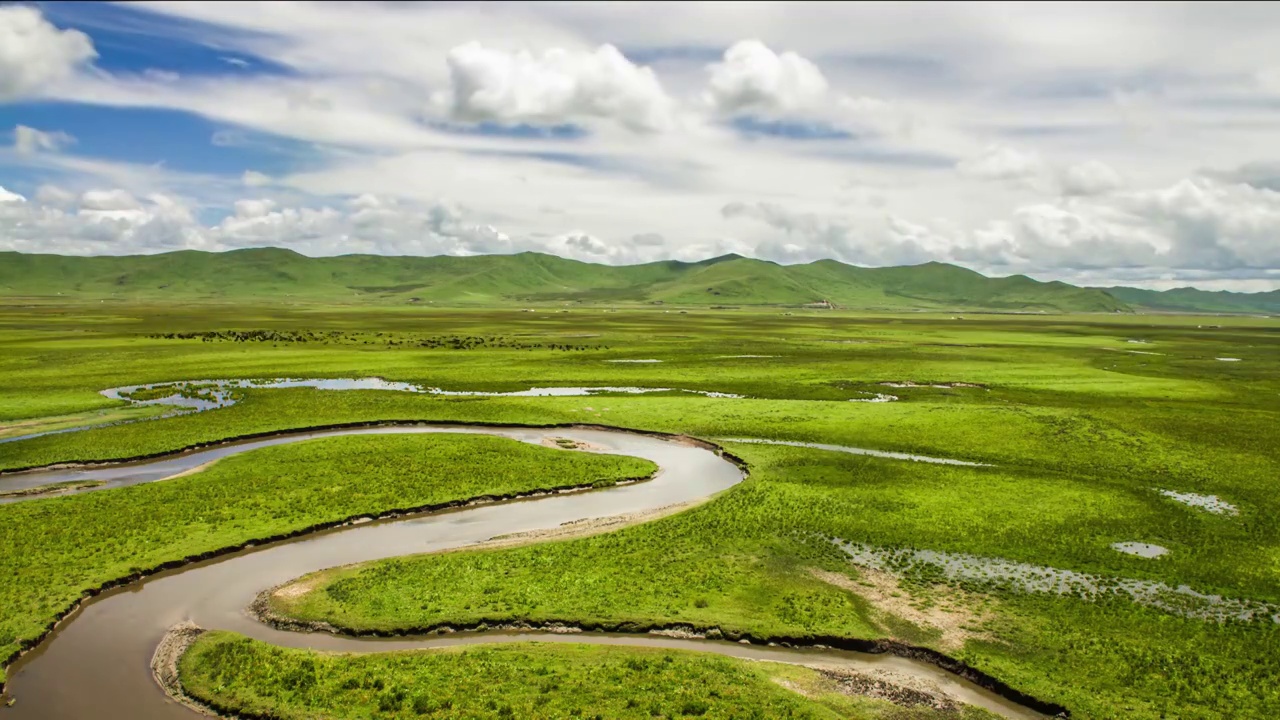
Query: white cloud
x=1001 y=162
x=35 y=53
x=108 y=200
x=115 y=222
x=1091 y=177
x=1195 y=225
x=1194 y=228
x=161 y=76
x=253 y=178
x=158 y=224
x=752 y=77
x=54 y=196
x=1261 y=173
x=556 y=86
x=7 y=197
x=27 y=140
x=864 y=239
x=248 y=209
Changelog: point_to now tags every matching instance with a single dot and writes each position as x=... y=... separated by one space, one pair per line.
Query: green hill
x=1192 y=300
x=273 y=274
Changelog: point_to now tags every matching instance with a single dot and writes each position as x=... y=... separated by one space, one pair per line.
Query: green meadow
x=242 y=676
x=1081 y=421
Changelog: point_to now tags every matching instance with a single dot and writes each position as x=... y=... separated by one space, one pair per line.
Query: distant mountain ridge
x=261 y=274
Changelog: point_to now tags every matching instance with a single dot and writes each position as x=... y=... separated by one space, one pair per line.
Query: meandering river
x=96 y=664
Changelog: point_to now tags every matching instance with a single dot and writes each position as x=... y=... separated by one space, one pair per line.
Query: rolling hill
x=277 y=275
x=1192 y=300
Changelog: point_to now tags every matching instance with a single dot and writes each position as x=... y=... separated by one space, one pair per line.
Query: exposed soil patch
x=562 y=443
x=897 y=688
x=882 y=590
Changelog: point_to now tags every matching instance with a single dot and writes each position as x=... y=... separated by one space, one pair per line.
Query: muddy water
x=96 y=665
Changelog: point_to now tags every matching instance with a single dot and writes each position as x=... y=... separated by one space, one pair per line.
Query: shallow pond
x=1140 y=549
x=1212 y=503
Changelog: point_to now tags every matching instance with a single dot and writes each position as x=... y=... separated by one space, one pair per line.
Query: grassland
x=754 y=563
x=58 y=549
x=525 y=681
x=1081 y=425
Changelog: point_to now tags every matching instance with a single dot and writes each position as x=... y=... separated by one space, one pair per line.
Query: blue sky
x=1095 y=144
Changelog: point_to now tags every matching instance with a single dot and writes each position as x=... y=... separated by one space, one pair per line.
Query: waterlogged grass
x=58 y=548
x=31 y=426
x=94 y=351
x=535 y=680
x=744 y=564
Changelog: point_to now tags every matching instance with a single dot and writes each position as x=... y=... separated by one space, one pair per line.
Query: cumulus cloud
x=1091 y=177
x=10 y=198
x=246 y=209
x=1261 y=174
x=1001 y=162
x=34 y=53
x=155 y=224
x=28 y=140
x=583 y=244
x=869 y=239
x=116 y=222
x=556 y=86
x=1195 y=224
x=752 y=77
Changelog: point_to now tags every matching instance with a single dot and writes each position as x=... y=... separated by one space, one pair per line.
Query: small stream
x=189 y=396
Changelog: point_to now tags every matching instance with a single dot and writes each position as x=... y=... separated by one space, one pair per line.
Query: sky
x=1095 y=143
